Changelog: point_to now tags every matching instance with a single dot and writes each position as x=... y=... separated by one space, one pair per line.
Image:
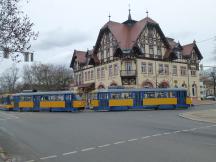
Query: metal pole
x=155 y=74
x=188 y=78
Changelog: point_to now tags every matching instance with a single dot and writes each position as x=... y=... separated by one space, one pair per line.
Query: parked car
x=211 y=98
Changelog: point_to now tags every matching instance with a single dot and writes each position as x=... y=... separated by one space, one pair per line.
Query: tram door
x=138 y=99
x=103 y=99
x=181 y=97
x=16 y=101
x=36 y=100
x=68 y=98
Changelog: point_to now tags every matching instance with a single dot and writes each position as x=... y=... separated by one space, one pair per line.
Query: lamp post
x=188 y=61
x=156 y=75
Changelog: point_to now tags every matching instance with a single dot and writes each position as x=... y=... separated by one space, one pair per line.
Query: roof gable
x=187 y=50
x=81 y=57
x=126 y=35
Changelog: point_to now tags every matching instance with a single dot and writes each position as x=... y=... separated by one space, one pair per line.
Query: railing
x=128 y=72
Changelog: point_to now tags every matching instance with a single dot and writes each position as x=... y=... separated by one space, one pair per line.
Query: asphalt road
x=130 y=136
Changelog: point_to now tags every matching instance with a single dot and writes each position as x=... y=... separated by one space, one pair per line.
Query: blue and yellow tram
x=48 y=101
x=6 y=102
x=147 y=98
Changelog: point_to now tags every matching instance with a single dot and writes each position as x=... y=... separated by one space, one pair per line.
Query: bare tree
x=47 y=77
x=8 y=80
x=15 y=30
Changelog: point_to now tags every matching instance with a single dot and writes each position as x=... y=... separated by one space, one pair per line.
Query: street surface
x=129 y=136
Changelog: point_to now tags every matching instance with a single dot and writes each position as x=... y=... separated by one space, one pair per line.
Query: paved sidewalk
x=203 y=102
x=202 y=115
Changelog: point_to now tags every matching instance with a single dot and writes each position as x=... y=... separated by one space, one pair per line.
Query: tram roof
x=44 y=93
x=140 y=89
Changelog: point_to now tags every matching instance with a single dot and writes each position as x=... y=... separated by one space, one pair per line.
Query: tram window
x=67 y=97
x=126 y=95
x=170 y=95
x=115 y=95
x=26 y=98
x=77 y=97
x=159 y=94
x=145 y=95
x=150 y=94
x=174 y=94
x=56 y=98
x=103 y=95
x=44 y=98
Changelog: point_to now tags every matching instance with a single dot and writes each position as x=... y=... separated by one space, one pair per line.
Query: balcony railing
x=128 y=72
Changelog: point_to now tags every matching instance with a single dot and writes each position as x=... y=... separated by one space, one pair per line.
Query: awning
x=86 y=85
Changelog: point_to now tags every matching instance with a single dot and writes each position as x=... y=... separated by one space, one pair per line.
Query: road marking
x=48 y=157
x=155 y=135
x=106 y=145
x=209 y=126
x=88 y=149
x=193 y=129
x=134 y=139
x=166 y=133
x=120 y=142
x=145 y=137
x=185 y=130
x=69 y=153
x=177 y=132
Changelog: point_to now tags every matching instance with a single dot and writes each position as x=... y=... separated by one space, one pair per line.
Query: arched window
x=194 y=90
x=164 y=84
x=101 y=86
x=147 y=84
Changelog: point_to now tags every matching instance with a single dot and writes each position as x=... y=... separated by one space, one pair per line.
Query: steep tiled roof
x=187 y=49
x=127 y=35
x=80 y=55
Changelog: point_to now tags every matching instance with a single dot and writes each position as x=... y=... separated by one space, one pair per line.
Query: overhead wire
x=208 y=39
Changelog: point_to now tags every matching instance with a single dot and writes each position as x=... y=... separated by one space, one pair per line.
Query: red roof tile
x=187 y=49
x=81 y=56
x=126 y=35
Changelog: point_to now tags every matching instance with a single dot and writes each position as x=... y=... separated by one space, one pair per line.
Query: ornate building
x=136 y=54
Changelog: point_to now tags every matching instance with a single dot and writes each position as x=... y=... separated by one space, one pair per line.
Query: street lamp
x=188 y=61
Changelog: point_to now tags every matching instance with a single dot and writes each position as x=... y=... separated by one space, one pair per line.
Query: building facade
x=136 y=54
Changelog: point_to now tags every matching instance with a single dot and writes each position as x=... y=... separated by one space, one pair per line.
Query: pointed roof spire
x=109 y=16
x=129 y=21
x=147 y=13
x=129 y=15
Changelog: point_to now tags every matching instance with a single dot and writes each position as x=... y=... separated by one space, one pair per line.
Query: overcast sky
x=65 y=25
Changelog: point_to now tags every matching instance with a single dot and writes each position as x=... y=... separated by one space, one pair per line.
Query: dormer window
x=178 y=55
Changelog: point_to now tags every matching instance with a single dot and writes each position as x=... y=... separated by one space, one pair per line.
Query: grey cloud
x=59 y=39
